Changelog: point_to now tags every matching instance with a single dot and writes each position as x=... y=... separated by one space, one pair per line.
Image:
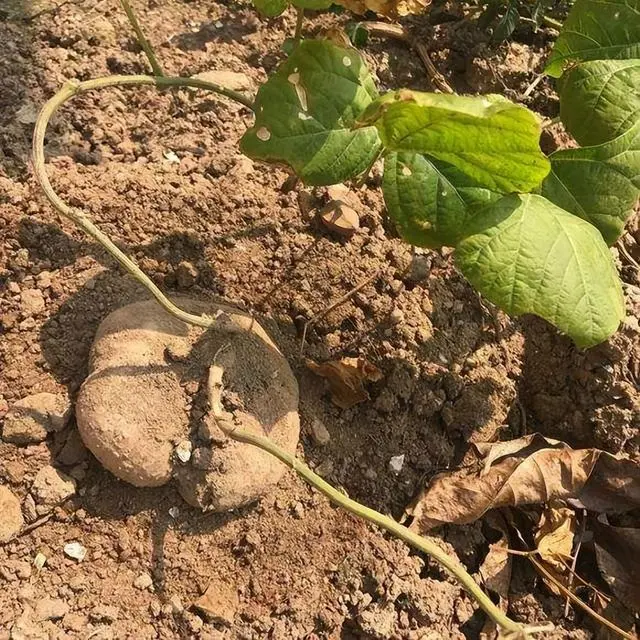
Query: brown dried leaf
x=495 y=571
x=388 y=8
x=554 y=538
x=618 y=556
x=346 y=379
x=528 y=470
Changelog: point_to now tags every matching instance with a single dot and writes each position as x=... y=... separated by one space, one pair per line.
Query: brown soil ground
x=453 y=371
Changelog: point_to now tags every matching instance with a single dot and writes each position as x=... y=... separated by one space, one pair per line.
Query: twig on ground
x=627 y=256
x=34 y=525
x=532 y=86
x=400 y=33
x=318 y=316
x=574 y=561
x=574 y=598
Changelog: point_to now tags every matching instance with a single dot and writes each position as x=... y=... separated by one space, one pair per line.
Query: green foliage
x=600 y=107
x=491 y=140
x=505 y=16
x=306 y=111
x=273 y=8
x=461 y=171
x=600 y=100
x=431 y=202
x=597 y=30
x=529 y=256
x=600 y=183
x=507 y=24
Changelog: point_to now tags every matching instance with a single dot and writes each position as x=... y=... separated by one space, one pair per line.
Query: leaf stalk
x=142 y=39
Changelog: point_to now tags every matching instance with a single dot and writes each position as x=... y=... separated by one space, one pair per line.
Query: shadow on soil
x=17 y=112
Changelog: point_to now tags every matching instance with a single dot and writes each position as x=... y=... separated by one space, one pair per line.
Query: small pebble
x=340 y=218
x=176 y=604
x=51 y=487
x=11 y=519
x=39 y=561
x=396 y=463
x=143 y=581
x=319 y=432
x=75 y=550
x=51 y=609
x=396 y=316
x=183 y=451
x=104 y=613
x=171 y=156
x=31 y=302
x=186 y=275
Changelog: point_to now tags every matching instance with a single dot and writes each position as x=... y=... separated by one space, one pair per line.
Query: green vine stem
x=142 y=39
x=511 y=628
x=231 y=430
x=76 y=216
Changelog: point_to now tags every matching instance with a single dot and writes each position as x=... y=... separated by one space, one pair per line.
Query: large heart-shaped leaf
x=429 y=201
x=600 y=184
x=491 y=140
x=527 y=255
x=306 y=110
x=600 y=100
x=597 y=30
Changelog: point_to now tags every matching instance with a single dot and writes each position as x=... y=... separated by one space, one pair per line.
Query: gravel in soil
x=161 y=173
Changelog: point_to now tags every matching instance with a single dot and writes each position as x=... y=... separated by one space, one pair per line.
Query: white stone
x=396 y=463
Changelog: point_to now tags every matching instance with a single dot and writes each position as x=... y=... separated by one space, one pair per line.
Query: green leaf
x=600 y=184
x=507 y=24
x=597 y=30
x=306 y=110
x=491 y=140
x=600 y=100
x=271 y=8
x=430 y=202
x=528 y=256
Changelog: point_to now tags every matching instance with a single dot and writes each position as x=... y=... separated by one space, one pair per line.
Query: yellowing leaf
x=554 y=538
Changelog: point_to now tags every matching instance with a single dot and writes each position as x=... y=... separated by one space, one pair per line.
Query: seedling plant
x=530 y=232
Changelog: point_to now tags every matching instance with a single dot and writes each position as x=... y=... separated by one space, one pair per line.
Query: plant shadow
x=213 y=32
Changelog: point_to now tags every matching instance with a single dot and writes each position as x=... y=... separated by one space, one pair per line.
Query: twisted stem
x=77 y=216
x=231 y=430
